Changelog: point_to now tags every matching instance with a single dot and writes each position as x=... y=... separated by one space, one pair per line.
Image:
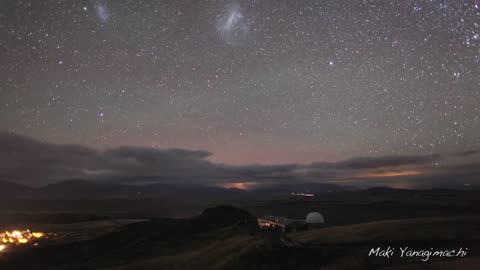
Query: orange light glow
x=239 y=185
x=19 y=237
x=22 y=240
x=389 y=174
x=2 y=247
x=37 y=234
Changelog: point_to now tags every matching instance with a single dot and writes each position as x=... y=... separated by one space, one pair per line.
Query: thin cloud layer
x=27 y=161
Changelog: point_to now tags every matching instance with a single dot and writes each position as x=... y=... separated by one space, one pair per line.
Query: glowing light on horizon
x=389 y=174
x=239 y=185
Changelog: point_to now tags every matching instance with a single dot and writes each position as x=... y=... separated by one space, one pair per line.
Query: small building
x=313 y=220
x=282 y=223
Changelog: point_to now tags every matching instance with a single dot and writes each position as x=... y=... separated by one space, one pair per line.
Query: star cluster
x=250 y=81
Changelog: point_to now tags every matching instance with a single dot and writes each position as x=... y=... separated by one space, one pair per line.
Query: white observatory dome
x=314 y=218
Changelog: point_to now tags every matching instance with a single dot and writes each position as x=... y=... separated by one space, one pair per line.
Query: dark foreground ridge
x=225 y=237
x=138 y=241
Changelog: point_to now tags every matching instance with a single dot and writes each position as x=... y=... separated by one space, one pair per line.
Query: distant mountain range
x=305 y=187
x=88 y=189
x=9 y=189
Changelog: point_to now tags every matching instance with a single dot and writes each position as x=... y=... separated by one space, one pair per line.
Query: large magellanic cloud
x=28 y=161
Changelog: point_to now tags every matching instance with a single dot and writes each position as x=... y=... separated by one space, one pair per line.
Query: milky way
x=249 y=81
x=102 y=12
x=233 y=26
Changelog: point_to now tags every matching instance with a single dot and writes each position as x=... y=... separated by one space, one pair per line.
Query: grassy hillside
x=223 y=238
x=214 y=255
x=144 y=241
x=440 y=229
x=342 y=247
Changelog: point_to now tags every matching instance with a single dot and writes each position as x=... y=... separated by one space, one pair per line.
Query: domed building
x=314 y=220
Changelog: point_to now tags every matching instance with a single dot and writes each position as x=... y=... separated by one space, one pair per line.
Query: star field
x=250 y=81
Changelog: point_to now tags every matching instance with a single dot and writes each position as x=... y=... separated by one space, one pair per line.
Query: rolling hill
x=423 y=230
x=225 y=238
x=12 y=190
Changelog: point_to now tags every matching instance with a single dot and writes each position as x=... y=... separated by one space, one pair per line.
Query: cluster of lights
x=18 y=237
x=303 y=194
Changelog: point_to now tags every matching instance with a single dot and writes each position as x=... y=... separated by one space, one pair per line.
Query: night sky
x=247 y=82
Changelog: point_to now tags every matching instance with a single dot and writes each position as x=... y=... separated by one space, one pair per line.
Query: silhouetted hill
x=223 y=216
x=139 y=241
x=86 y=189
x=305 y=187
x=12 y=190
x=192 y=192
x=82 y=188
x=219 y=238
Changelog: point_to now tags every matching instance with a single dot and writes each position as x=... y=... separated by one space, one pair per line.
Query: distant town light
x=301 y=194
x=19 y=237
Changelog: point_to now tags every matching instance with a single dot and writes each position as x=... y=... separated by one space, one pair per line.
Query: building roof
x=281 y=220
x=314 y=218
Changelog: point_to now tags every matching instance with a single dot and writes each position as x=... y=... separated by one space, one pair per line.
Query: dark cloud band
x=27 y=161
